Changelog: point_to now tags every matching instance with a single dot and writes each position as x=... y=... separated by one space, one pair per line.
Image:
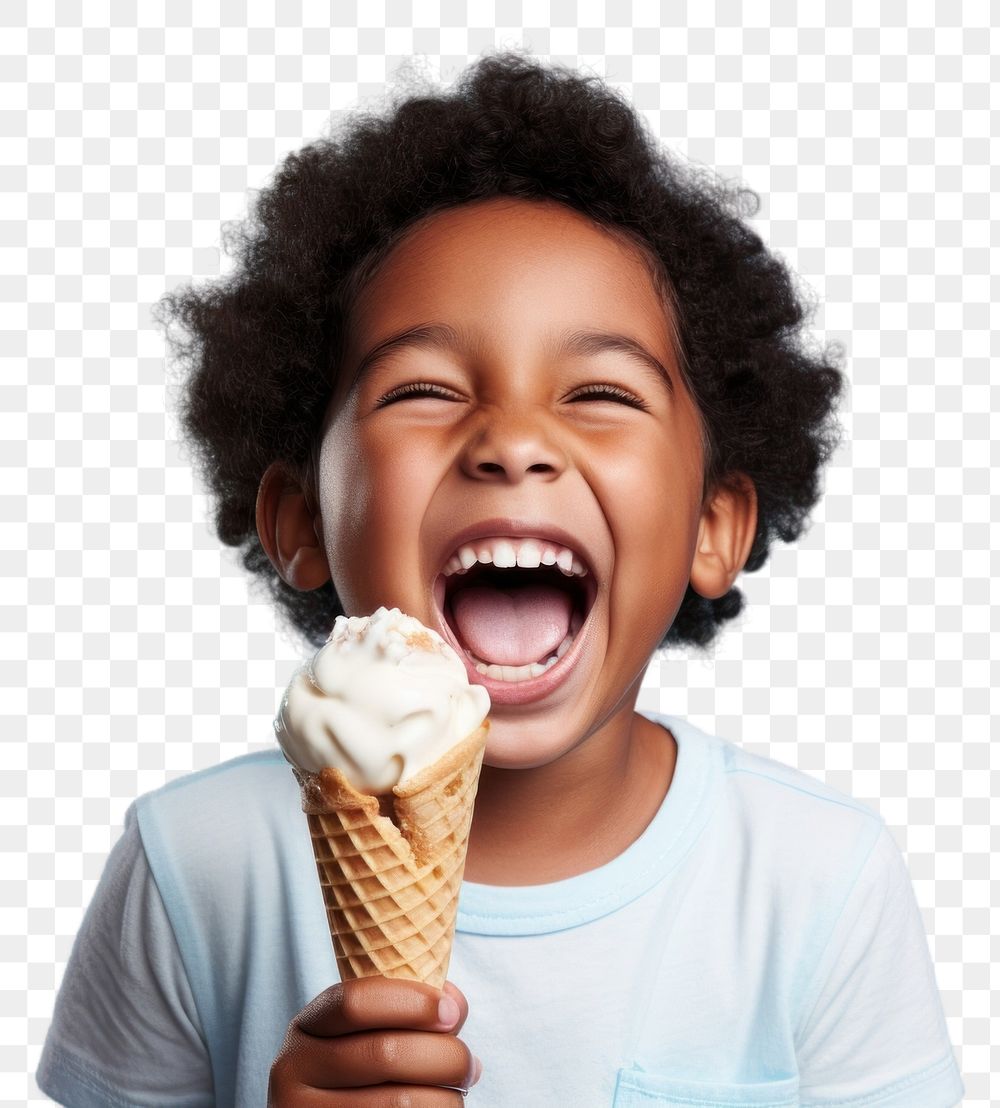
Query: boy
x=495 y=316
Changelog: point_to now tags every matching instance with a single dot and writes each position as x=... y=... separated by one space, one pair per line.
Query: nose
x=511 y=444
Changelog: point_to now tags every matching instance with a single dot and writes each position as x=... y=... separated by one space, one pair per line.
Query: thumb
x=458 y=997
x=369 y=1003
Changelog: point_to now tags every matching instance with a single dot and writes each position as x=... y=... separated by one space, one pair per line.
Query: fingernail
x=477 y=1071
x=448 y=1011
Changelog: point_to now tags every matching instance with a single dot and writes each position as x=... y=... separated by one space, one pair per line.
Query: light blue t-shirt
x=759 y=945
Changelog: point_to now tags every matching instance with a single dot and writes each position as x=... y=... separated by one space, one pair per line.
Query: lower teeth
x=522 y=673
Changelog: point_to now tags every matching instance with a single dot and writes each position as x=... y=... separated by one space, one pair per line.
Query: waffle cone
x=391 y=867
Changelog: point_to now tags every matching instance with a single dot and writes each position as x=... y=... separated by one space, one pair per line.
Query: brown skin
x=514 y=432
x=382 y=1042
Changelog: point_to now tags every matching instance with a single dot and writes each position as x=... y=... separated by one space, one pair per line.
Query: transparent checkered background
x=130 y=640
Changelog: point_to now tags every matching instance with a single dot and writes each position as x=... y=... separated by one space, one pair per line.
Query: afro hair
x=260 y=348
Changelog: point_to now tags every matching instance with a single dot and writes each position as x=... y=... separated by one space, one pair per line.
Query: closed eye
x=598 y=391
x=424 y=388
x=412 y=389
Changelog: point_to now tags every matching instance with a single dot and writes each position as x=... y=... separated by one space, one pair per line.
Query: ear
x=288 y=529
x=725 y=536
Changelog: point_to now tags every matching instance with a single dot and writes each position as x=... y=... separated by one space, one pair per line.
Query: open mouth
x=512 y=624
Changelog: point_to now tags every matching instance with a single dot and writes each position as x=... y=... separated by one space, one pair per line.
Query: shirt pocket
x=638 y=1088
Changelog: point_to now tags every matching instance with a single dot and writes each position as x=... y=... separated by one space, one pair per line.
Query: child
x=497 y=313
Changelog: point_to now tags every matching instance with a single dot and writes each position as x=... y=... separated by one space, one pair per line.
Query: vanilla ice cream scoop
x=382 y=699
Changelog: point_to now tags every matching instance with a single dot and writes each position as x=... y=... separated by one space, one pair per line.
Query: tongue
x=512 y=627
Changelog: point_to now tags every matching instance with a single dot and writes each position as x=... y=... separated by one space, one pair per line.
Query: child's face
x=513 y=435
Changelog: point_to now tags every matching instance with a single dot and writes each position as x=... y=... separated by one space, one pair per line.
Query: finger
x=375 y=1096
x=372 y=1002
x=402 y=1096
x=372 y=1057
x=459 y=998
x=384 y=1096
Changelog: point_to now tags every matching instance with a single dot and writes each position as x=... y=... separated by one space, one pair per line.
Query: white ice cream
x=383 y=698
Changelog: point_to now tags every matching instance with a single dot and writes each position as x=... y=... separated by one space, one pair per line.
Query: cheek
x=346 y=501
x=372 y=498
x=651 y=500
x=646 y=492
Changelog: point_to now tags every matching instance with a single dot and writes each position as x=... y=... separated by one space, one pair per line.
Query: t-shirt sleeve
x=873 y=1030
x=125 y=1030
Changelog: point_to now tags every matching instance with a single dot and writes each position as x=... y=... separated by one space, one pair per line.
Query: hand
x=375 y=1041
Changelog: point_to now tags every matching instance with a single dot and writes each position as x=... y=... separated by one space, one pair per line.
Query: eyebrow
x=584 y=343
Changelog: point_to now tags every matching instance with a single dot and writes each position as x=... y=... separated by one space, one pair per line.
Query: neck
x=579 y=812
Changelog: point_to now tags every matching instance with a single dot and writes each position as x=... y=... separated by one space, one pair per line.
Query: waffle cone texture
x=391 y=867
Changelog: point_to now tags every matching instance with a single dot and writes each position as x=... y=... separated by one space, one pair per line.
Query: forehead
x=533 y=260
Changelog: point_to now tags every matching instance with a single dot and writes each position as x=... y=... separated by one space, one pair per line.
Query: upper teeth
x=506 y=553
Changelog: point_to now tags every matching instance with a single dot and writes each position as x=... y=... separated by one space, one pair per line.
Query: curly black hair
x=263 y=345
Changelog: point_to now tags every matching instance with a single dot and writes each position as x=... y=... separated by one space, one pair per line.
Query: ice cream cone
x=391 y=867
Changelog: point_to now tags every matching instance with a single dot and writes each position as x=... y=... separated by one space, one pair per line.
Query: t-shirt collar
x=659 y=850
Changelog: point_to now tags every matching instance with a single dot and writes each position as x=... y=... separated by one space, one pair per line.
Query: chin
x=514 y=744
